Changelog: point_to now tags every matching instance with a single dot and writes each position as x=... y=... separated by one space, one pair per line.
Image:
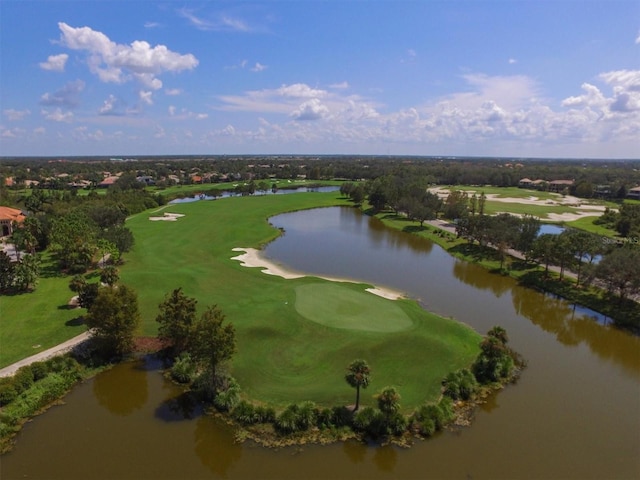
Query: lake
x=573 y=413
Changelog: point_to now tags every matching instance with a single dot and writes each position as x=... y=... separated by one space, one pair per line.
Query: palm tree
x=389 y=401
x=358 y=376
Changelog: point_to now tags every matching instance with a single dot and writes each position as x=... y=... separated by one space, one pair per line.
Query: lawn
x=295 y=337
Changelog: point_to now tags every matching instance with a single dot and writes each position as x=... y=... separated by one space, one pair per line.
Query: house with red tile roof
x=9 y=216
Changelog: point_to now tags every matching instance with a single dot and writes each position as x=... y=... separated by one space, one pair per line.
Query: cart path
x=63 y=347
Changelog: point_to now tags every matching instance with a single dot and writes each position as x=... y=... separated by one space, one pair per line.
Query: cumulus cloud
x=146 y=97
x=118 y=63
x=15 y=115
x=258 y=67
x=173 y=92
x=55 y=63
x=57 y=115
x=67 y=96
x=111 y=106
x=310 y=110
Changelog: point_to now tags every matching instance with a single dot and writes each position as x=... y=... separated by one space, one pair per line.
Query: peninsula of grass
x=294 y=337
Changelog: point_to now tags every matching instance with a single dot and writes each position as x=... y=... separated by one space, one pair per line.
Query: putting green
x=340 y=306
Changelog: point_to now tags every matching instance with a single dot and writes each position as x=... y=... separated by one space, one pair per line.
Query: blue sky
x=505 y=78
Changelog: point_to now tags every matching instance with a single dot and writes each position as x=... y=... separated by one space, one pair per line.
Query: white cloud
x=638 y=39
x=67 y=96
x=146 y=97
x=55 y=63
x=118 y=63
x=311 y=110
x=171 y=110
x=340 y=86
x=15 y=115
x=57 y=115
x=259 y=67
x=151 y=25
x=111 y=106
x=300 y=90
x=512 y=61
x=173 y=92
x=221 y=22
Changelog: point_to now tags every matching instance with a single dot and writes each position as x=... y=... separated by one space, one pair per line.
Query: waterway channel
x=574 y=413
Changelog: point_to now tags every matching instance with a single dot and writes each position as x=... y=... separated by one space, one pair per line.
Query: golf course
x=295 y=336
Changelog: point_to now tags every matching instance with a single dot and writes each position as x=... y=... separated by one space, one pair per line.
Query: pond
x=573 y=414
x=279 y=191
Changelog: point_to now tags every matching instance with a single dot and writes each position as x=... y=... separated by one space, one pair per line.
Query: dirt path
x=44 y=355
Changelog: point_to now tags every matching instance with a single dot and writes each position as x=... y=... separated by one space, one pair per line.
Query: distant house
x=559 y=185
x=634 y=193
x=146 y=179
x=107 y=182
x=537 y=184
x=525 y=183
x=7 y=218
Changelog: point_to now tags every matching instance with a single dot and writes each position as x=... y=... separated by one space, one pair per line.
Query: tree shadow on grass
x=75 y=322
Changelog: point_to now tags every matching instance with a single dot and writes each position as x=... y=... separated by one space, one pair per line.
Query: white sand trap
x=167 y=217
x=252 y=258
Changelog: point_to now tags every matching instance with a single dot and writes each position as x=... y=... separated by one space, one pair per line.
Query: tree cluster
x=200 y=344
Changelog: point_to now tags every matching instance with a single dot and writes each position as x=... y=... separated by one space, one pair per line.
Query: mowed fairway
x=295 y=337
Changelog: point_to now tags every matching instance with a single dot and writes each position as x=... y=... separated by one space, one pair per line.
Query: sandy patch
x=252 y=258
x=167 y=217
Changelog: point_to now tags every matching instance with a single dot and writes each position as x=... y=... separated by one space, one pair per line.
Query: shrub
x=183 y=369
x=245 y=413
x=287 y=421
x=23 y=379
x=40 y=370
x=225 y=401
x=371 y=421
x=396 y=424
x=460 y=385
x=324 y=418
x=341 y=416
x=265 y=414
x=306 y=415
x=7 y=394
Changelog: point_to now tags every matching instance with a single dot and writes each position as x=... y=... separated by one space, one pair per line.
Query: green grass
x=335 y=306
x=33 y=322
x=283 y=355
x=587 y=225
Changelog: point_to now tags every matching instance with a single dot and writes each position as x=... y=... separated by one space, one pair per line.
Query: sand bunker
x=252 y=258
x=167 y=217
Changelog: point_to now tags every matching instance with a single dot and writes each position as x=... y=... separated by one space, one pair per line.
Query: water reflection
x=386 y=458
x=215 y=446
x=572 y=326
x=470 y=274
x=355 y=451
x=182 y=407
x=122 y=393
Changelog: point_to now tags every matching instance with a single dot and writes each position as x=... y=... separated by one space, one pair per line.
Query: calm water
x=573 y=414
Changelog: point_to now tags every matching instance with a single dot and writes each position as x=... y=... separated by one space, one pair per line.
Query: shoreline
x=252 y=258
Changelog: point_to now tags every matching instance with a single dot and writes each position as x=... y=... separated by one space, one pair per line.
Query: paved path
x=51 y=352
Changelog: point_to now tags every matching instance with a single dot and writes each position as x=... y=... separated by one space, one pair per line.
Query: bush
x=324 y=418
x=265 y=414
x=225 y=401
x=371 y=421
x=23 y=379
x=183 y=369
x=7 y=394
x=460 y=385
x=287 y=421
x=431 y=418
x=341 y=417
x=40 y=370
x=245 y=413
